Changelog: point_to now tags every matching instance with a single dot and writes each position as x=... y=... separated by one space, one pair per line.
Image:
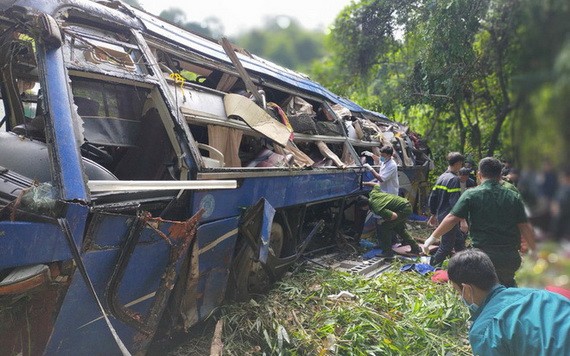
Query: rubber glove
x=367 y=166
x=427 y=244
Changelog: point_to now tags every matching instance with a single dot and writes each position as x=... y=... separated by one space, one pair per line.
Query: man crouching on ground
x=395 y=211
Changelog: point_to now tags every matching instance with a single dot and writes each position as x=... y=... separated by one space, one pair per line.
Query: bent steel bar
x=154 y=185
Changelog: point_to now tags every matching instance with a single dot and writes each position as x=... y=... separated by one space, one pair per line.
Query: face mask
x=471 y=306
x=382 y=159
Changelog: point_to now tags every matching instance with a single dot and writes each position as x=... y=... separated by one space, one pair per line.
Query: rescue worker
x=464 y=181
x=395 y=210
x=508 y=321
x=388 y=175
x=443 y=197
x=470 y=164
x=496 y=218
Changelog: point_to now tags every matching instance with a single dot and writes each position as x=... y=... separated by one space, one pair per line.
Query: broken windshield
x=22 y=99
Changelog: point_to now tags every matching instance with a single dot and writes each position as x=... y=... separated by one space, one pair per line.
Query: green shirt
x=493 y=213
x=384 y=204
x=510 y=186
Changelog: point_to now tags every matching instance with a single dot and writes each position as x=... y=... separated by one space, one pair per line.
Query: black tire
x=248 y=277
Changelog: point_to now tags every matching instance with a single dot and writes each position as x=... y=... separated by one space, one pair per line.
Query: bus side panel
x=80 y=327
x=206 y=280
x=278 y=191
x=20 y=243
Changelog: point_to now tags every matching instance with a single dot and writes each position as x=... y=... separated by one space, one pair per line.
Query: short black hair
x=454 y=157
x=464 y=171
x=472 y=266
x=490 y=168
x=361 y=202
x=387 y=150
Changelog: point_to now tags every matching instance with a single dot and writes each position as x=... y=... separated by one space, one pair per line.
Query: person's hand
x=427 y=244
x=463 y=226
x=367 y=153
x=432 y=221
x=368 y=167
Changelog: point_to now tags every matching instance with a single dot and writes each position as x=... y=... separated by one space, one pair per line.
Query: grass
x=398 y=313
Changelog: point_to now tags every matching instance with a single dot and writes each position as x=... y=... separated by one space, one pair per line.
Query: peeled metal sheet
x=256 y=118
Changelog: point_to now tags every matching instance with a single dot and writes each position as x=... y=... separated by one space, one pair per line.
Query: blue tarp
x=421 y=268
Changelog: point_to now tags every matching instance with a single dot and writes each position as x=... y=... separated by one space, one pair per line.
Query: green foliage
x=283 y=41
x=209 y=27
x=477 y=76
x=394 y=314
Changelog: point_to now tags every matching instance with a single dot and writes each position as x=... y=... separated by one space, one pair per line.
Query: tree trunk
x=499 y=120
x=461 y=127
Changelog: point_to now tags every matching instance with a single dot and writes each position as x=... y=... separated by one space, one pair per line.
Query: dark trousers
x=388 y=230
x=507 y=260
x=452 y=240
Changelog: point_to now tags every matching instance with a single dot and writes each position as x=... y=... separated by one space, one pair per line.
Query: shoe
x=386 y=254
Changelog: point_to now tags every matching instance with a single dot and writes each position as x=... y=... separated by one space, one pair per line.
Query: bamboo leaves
x=394 y=314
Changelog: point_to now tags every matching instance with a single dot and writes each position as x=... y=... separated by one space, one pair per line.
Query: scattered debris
x=342 y=295
x=217 y=347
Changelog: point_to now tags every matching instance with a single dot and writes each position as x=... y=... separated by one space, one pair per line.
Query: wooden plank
x=241 y=70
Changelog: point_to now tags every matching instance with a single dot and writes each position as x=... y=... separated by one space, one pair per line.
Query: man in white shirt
x=388 y=176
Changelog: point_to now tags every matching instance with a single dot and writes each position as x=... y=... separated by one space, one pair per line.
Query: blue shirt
x=444 y=194
x=521 y=321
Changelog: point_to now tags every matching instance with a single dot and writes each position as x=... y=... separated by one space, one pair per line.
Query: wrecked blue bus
x=148 y=174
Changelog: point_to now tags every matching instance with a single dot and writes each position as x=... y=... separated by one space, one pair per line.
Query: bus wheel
x=248 y=277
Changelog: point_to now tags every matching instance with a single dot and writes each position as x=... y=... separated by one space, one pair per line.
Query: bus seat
x=215 y=158
x=149 y=159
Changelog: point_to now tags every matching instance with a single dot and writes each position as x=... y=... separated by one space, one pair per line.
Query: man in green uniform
x=497 y=220
x=395 y=211
x=508 y=321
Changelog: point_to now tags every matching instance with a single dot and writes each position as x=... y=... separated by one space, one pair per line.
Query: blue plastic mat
x=421 y=268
